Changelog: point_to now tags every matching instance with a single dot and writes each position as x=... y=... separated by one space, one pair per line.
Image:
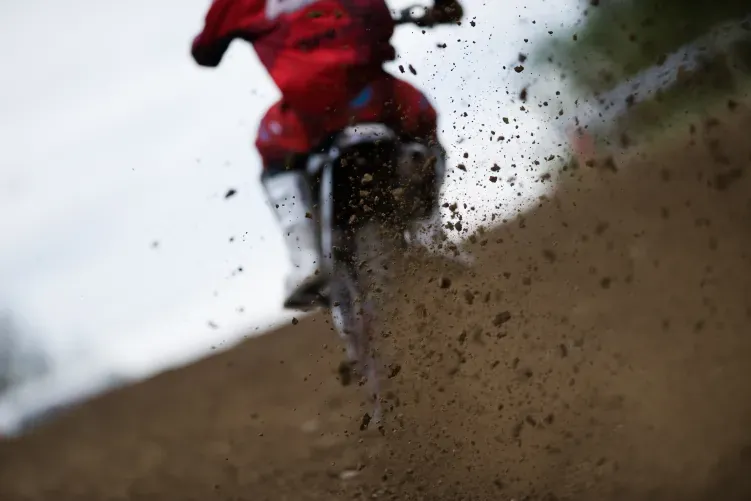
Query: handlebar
x=407 y=17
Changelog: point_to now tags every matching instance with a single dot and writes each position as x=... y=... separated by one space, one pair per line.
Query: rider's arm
x=225 y=21
x=445 y=11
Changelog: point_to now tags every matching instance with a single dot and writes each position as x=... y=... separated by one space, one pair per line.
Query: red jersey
x=309 y=47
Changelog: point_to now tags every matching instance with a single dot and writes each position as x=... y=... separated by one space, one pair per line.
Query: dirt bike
x=370 y=186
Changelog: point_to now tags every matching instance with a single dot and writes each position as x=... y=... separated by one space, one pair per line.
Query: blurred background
x=135 y=237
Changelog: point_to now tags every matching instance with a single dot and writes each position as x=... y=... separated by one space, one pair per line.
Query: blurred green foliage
x=616 y=39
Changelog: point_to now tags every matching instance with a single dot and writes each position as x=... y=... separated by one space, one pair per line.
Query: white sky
x=113 y=139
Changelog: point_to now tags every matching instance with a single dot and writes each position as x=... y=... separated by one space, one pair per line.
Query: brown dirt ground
x=622 y=373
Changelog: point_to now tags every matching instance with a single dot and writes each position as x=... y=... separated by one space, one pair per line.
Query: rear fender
x=320 y=166
x=372 y=133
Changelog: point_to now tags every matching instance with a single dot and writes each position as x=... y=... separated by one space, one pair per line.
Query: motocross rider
x=326 y=58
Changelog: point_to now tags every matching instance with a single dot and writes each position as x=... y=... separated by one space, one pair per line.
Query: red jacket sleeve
x=225 y=21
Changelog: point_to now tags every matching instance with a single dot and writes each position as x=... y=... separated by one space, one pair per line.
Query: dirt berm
x=600 y=349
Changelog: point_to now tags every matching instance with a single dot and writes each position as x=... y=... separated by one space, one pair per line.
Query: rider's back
x=314 y=50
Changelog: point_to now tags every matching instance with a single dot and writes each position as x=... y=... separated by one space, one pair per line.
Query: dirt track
x=622 y=373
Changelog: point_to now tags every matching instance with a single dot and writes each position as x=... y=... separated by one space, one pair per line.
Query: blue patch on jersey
x=363 y=98
x=263 y=135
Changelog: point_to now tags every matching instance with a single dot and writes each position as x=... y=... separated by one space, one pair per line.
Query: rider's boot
x=290 y=197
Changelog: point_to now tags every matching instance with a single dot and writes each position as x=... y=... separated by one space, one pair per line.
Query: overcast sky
x=120 y=251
